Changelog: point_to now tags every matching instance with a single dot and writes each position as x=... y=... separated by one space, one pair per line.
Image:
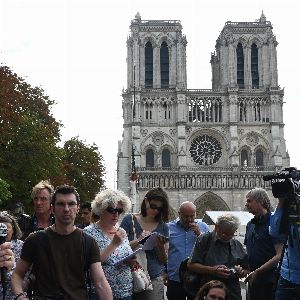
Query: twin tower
x=208 y=146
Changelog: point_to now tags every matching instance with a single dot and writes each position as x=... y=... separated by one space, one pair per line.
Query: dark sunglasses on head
x=154 y=206
x=112 y=210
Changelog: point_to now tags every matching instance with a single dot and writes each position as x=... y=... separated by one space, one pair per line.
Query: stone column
x=232 y=65
x=247 y=67
x=142 y=66
x=173 y=66
x=156 y=67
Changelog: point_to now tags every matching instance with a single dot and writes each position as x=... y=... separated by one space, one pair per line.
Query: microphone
x=3 y=270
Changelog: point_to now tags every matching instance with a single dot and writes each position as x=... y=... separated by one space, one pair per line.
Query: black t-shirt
x=65 y=272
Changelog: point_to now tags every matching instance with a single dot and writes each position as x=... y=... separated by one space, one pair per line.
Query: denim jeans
x=287 y=290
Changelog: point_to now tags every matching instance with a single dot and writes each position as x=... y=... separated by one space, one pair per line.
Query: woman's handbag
x=140 y=275
x=141 y=279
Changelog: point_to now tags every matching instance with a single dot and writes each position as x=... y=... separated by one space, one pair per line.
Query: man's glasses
x=112 y=210
x=154 y=206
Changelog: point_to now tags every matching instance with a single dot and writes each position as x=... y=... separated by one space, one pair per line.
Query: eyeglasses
x=154 y=206
x=112 y=210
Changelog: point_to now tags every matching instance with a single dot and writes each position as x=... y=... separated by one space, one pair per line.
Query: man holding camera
x=288 y=286
x=263 y=250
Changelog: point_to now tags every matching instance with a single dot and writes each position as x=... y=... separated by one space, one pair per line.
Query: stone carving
x=252 y=139
x=173 y=132
x=264 y=131
x=241 y=131
x=144 y=132
x=158 y=138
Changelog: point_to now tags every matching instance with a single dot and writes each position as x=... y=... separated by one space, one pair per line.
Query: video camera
x=286 y=185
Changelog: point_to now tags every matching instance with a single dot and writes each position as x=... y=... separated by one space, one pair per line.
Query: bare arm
x=18 y=276
x=271 y=263
x=162 y=248
x=102 y=287
x=114 y=244
x=218 y=270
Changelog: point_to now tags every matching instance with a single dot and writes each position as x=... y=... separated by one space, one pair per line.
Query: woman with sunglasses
x=112 y=240
x=13 y=236
x=152 y=218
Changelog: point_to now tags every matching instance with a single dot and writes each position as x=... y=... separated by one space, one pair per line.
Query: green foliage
x=84 y=168
x=5 y=194
x=28 y=136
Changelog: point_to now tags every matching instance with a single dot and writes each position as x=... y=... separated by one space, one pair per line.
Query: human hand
x=144 y=234
x=194 y=227
x=7 y=257
x=119 y=237
x=222 y=271
x=240 y=272
x=252 y=276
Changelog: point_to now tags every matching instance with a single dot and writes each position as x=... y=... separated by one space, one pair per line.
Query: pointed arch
x=149 y=158
x=164 y=65
x=254 y=66
x=166 y=158
x=240 y=65
x=148 y=65
x=209 y=201
x=259 y=158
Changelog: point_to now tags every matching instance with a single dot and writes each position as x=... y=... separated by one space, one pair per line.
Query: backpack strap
x=87 y=240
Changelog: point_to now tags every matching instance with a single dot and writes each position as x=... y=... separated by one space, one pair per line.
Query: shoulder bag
x=140 y=275
x=193 y=281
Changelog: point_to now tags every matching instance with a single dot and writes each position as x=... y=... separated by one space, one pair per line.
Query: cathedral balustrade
x=206 y=181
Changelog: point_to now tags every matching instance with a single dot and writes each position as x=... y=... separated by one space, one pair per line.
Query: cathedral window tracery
x=254 y=66
x=148 y=65
x=240 y=65
x=164 y=65
x=149 y=159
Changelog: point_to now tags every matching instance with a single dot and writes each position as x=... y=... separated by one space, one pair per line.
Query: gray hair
x=112 y=198
x=260 y=195
x=228 y=220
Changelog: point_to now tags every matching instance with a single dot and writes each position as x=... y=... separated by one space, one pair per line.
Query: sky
x=76 y=52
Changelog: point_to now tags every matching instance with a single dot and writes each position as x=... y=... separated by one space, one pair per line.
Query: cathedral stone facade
x=208 y=146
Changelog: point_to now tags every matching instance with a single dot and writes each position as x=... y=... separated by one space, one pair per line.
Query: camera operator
x=288 y=286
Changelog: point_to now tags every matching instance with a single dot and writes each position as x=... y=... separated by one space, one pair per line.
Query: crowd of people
x=50 y=256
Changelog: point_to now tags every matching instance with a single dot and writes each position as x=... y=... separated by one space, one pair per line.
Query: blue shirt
x=290 y=269
x=260 y=246
x=155 y=267
x=181 y=244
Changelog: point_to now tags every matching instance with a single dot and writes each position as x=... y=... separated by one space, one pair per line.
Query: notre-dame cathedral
x=208 y=146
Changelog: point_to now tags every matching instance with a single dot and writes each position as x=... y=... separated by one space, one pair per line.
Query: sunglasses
x=154 y=206
x=112 y=210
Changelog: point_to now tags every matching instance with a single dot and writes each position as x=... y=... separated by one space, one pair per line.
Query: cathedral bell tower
x=209 y=146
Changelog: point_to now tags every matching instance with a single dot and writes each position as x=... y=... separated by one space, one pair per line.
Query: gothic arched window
x=240 y=65
x=254 y=66
x=148 y=65
x=259 y=158
x=244 y=158
x=164 y=65
x=149 y=159
x=166 y=158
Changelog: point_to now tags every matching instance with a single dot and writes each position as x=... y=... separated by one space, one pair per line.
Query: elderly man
x=42 y=218
x=263 y=250
x=61 y=255
x=183 y=234
x=218 y=256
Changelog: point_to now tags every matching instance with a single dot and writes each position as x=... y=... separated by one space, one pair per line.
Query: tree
x=5 y=194
x=28 y=136
x=84 y=168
